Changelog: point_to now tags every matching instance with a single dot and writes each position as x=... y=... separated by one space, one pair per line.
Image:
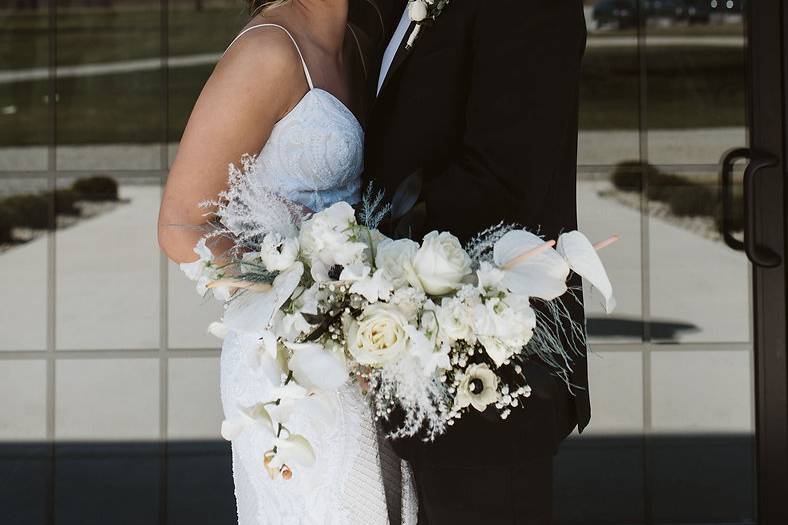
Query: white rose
x=417 y=10
x=378 y=336
x=396 y=259
x=277 y=253
x=441 y=264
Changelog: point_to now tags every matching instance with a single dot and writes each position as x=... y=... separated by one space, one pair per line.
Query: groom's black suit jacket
x=485 y=103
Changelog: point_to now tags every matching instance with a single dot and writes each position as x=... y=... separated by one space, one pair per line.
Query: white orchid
x=252 y=312
x=204 y=272
x=317 y=368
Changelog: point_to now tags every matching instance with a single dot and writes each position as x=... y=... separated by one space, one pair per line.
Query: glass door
x=683 y=370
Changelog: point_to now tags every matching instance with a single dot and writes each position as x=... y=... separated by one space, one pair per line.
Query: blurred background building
x=109 y=402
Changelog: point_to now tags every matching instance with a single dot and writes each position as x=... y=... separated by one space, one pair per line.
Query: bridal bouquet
x=428 y=329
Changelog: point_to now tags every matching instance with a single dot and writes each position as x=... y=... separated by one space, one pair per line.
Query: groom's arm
x=521 y=117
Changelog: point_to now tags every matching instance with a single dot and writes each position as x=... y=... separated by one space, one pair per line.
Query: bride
x=289 y=87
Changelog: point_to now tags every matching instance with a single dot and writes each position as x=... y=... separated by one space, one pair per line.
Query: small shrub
x=65 y=201
x=28 y=210
x=98 y=188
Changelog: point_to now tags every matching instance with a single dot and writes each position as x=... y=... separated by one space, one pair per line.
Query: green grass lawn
x=686 y=87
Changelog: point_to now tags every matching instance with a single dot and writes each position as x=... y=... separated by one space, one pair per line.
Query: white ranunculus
x=417 y=10
x=504 y=326
x=396 y=259
x=456 y=320
x=327 y=236
x=378 y=336
x=409 y=301
x=441 y=264
x=478 y=387
x=278 y=253
x=489 y=276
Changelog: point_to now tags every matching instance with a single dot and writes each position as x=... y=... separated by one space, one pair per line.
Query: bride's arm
x=254 y=85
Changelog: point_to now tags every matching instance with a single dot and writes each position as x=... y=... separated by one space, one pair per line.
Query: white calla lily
x=582 y=258
x=542 y=275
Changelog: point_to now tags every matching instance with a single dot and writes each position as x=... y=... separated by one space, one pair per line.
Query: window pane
x=700 y=288
x=609 y=203
x=109 y=85
x=24 y=219
x=609 y=92
x=24 y=109
x=107 y=270
x=695 y=86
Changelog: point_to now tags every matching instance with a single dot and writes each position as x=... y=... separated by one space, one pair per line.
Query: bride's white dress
x=314 y=157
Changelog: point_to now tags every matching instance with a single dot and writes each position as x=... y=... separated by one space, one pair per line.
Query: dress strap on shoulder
x=301 y=55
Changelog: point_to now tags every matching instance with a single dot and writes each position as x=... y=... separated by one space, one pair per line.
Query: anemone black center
x=335 y=271
x=476 y=386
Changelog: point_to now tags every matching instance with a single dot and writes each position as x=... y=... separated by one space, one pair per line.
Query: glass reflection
x=24 y=219
x=109 y=85
x=24 y=108
x=107 y=267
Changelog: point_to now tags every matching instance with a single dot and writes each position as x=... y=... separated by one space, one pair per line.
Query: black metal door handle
x=759 y=255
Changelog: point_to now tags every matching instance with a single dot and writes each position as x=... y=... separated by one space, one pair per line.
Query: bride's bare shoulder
x=263 y=54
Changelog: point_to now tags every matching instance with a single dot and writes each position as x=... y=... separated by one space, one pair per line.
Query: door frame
x=767 y=49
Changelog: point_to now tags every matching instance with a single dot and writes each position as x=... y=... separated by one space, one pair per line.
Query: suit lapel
x=403 y=52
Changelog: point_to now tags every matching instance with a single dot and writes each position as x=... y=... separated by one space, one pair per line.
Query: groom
x=485 y=104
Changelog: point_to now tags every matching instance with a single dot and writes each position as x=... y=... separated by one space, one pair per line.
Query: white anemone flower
x=478 y=388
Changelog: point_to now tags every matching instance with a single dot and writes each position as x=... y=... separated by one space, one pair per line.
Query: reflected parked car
x=621 y=14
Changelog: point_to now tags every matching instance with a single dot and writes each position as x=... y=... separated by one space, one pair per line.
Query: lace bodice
x=313 y=157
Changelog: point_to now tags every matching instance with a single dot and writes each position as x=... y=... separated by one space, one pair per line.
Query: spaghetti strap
x=303 y=62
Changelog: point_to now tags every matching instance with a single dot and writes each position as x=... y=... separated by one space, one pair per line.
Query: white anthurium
x=317 y=368
x=542 y=274
x=582 y=258
x=256 y=416
x=252 y=312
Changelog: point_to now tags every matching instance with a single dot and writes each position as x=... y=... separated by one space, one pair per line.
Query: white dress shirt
x=391 y=50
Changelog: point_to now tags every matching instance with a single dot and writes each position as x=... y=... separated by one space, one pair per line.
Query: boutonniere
x=423 y=13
